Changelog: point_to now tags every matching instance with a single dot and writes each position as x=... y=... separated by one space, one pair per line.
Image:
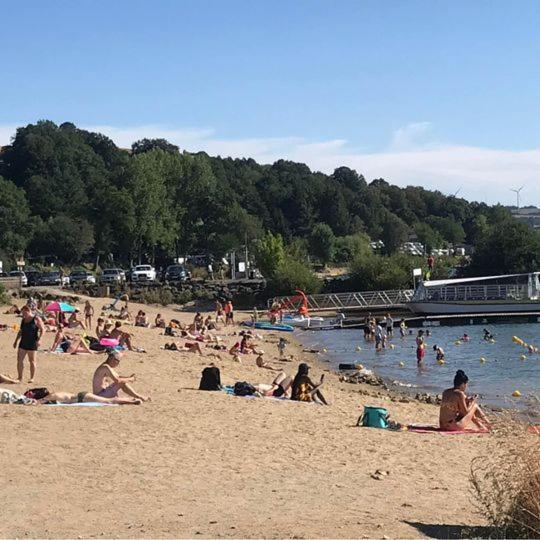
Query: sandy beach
x=206 y=464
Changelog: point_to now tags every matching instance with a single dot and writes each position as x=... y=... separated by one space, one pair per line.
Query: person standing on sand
x=29 y=339
x=88 y=314
x=107 y=382
x=229 y=313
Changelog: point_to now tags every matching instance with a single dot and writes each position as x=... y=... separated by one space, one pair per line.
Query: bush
x=292 y=275
x=377 y=272
x=506 y=481
x=161 y=296
x=4 y=299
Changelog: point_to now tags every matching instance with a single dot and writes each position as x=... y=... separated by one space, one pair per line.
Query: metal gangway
x=351 y=301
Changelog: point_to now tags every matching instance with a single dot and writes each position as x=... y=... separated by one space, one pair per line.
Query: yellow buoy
x=441 y=362
x=523 y=357
x=358 y=366
x=482 y=360
x=359 y=348
x=492 y=341
x=516 y=393
x=392 y=346
x=324 y=350
x=401 y=364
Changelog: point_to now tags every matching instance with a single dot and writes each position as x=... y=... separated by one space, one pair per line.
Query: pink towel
x=419 y=428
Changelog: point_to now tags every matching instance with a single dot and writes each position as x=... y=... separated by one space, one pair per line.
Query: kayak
x=262 y=325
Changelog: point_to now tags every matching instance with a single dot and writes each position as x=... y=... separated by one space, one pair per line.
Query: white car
x=143 y=272
x=19 y=274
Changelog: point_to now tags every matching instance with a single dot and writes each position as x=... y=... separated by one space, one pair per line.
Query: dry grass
x=506 y=481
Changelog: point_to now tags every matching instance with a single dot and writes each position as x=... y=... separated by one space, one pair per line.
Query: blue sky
x=441 y=94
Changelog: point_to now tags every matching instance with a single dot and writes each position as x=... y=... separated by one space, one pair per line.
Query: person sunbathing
x=69 y=344
x=4 y=379
x=187 y=347
x=304 y=389
x=85 y=397
x=459 y=412
x=262 y=363
x=280 y=387
x=13 y=310
x=74 y=321
x=107 y=382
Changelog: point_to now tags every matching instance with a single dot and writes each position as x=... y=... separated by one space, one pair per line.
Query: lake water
x=495 y=380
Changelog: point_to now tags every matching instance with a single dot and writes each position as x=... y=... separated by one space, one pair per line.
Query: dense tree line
x=75 y=194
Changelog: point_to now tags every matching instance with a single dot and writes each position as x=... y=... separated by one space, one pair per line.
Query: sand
x=205 y=464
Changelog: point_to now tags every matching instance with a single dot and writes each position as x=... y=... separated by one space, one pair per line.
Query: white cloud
x=481 y=174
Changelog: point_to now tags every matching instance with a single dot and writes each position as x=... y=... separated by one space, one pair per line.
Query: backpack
x=210 y=379
x=243 y=388
x=168 y=331
x=376 y=417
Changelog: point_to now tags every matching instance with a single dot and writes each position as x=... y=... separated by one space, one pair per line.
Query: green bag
x=376 y=417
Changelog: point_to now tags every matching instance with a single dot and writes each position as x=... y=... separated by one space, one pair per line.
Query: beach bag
x=210 y=379
x=243 y=388
x=376 y=417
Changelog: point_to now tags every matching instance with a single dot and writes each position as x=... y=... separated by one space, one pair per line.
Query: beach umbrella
x=61 y=307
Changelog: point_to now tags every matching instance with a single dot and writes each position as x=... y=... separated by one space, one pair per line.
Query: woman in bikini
x=304 y=389
x=459 y=412
x=85 y=397
x=88 y=314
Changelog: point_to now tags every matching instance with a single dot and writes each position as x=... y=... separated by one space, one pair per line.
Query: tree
x=292 y=275
x=146 y=145
x=15 y=225
x=67 y=238
x=394 y=233
x=510 y=247
x=322 y=242
x=352 y=247
x=269 y=254
x=427 y=236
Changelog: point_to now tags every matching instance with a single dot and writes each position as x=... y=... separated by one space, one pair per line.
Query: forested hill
x=75 y=194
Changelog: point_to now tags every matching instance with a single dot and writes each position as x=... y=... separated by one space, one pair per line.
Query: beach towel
x=420 y=428
x=88 y=404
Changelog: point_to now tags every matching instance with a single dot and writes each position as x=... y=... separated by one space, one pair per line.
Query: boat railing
x=477 y=293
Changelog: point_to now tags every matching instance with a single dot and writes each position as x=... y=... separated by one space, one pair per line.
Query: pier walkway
x=351 y=301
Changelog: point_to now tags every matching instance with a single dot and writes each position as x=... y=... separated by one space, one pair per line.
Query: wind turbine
x=517 y=192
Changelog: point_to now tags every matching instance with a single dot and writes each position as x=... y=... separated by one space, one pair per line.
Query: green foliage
x=322 y=242
x=269 y=254
x=67 y=238
x=427 y=236
x=509 y=247
x=4 y=298
x=15 y=229
x=394 y=232
x=291 y=275
x=348 y=248
x=154 y=202
x=377 y=272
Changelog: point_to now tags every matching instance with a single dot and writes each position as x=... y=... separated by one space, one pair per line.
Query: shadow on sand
x=431 y=530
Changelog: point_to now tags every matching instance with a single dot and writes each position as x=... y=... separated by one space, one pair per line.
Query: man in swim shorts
x=107 y=382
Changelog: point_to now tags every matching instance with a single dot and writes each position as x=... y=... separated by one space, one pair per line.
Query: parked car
x=33 y=277
x=19 y=274
x=53 y=278
x=143 y=272
x=81 y=276
x=112 y=275
x=176 y=272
